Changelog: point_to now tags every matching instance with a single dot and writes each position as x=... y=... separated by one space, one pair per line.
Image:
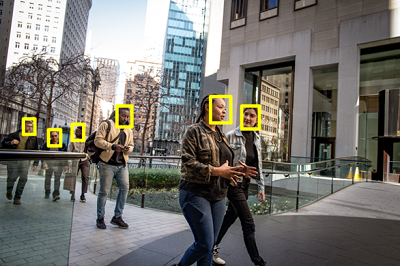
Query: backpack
x=92 y=150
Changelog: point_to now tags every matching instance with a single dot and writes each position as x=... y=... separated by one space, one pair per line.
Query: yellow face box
x=72 y=132
x=59 y=145
x=230 y=121
x=242 y=107
x=34 y=124
x=117 y=107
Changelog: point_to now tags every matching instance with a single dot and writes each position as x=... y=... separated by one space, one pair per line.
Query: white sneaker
x=216 y=259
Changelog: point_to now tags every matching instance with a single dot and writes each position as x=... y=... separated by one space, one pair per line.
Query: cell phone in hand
x=126 y=147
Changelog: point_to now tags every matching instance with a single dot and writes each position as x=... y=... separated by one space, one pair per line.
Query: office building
x=155 y=29
x=321 y=70
x=109 y=72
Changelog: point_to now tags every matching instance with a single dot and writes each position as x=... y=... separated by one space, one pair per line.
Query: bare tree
x=145 y=99
x=44 y=79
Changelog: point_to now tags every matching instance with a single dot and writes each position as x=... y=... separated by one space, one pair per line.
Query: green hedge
x=156 y=178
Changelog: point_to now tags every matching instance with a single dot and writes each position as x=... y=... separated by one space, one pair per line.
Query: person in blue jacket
x=53 y=166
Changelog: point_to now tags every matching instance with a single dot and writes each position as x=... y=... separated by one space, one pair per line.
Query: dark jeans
x=14 y=170
x=205 y=219
x=57 y=175
x=84 y=166
x=238 y=207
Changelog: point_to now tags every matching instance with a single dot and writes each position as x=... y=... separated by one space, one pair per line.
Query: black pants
x=238 y=207
x=84 y=166
x=57 y=169
x=14 y=170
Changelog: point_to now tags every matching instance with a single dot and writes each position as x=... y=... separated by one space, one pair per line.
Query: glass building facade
x=182 y=67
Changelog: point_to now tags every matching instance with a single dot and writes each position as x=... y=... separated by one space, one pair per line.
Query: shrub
x=156 y=178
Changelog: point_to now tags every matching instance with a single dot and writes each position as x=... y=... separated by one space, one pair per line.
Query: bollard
x=143 y=195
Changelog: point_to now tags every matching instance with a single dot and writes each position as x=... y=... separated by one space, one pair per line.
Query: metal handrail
x=312 y=171
x=13 y=155
x=336 y=159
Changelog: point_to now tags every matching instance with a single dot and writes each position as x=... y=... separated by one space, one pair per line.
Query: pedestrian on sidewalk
x=19 y=169
x=246 y=146
x=53 y=166
x=83 y=164
x=113 y=164
x=207 y=169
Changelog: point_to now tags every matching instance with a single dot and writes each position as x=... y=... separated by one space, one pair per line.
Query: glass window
x=36 y=37
x=17 y=45
x=19 y=24
x=268 y=4
x=238 y=9
x=29 y=26
x=46 y=28
x=37 y=27
x=268 y=88
x=26 y=46
x=53 y=50
x=379 y=70
x=35 y=47
x=28 y=36
x=45 y=39
x=18 y=34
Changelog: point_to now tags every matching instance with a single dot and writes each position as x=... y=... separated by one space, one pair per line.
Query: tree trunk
x=48 y=112
x=39 y=107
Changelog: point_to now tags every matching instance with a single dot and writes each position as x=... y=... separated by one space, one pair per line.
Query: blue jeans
x=205 y=219
x=107 y=174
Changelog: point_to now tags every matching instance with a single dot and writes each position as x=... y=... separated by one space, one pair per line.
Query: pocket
x=204 y=156
x=236 y=146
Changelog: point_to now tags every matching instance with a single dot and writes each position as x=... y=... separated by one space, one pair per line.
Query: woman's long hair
x=202 y=110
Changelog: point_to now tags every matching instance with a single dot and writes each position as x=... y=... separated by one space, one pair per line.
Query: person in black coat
x=19 y=169
x=53 y=166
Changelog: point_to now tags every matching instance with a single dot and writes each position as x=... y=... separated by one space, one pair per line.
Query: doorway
x=324 y=148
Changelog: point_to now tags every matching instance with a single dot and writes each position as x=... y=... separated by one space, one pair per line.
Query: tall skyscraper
x=109 y=72
x=155 y=28
x=182 y=62
x=54 y=26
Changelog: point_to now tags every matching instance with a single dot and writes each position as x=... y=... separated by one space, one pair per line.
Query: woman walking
x=247 y=148
x=207 y=161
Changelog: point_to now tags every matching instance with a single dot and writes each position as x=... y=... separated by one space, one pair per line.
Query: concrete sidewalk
x=93 y=246
x=356 y=226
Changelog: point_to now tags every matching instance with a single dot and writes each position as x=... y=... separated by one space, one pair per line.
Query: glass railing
x=288 y=186
x=35 y=210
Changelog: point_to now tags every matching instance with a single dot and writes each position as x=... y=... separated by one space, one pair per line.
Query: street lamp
x=95 y=85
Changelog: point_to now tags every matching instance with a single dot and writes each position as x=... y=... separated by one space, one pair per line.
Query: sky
x=117 y=32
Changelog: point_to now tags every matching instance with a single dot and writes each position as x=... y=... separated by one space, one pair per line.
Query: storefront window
x=379 y=70
x=325 y=88
x=271 y=87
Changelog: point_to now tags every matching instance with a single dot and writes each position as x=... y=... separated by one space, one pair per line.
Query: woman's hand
x=249 y=171
x=261 y=196
x=228 y=172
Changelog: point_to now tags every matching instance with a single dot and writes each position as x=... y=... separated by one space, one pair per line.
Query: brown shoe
x=17 y=202
x=9 y=195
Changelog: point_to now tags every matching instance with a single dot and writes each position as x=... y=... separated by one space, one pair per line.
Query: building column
x=347 y=108
x=235 y=88
x=302 y=107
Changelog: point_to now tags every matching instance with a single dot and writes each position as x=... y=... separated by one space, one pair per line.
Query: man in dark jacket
x=53 y=166
x=19 y=169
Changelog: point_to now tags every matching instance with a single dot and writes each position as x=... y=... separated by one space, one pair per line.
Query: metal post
x=21 y=113
x=91 y=117
x=298 y=190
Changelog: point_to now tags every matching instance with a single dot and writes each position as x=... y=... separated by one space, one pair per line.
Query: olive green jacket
x=200 y=154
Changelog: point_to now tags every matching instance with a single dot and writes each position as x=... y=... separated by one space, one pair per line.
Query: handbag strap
x=116 y=137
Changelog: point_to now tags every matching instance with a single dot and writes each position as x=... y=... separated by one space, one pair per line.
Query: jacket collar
x=238 y=133
x=206 y=128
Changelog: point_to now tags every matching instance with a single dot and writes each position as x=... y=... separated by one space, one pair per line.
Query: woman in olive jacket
x=206 y=171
